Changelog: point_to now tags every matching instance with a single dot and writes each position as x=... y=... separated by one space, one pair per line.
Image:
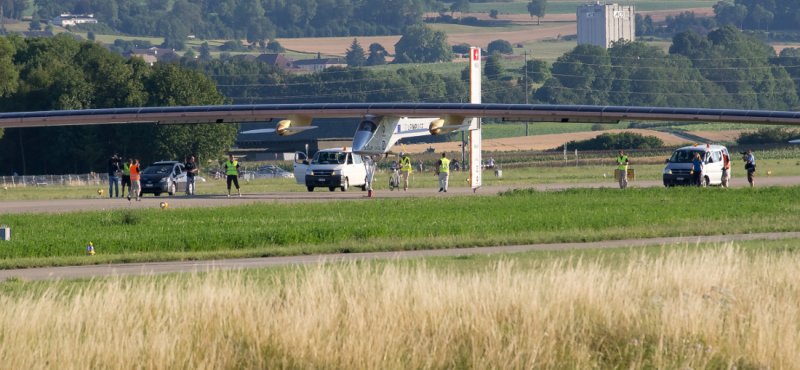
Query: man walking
x=191 y=171
x=126 y=176
x=622 y=169
x=232 y=170
x=750 y=166
x=443 y=170
x=405 y=168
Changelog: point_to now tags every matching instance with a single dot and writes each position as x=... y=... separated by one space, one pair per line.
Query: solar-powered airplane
x=385 y=123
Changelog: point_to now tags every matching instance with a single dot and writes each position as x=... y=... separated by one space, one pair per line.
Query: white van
x=331 y=168
x=679 y=166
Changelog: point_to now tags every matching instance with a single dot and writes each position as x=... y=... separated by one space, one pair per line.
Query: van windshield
x=329 y=158
x=685 y=156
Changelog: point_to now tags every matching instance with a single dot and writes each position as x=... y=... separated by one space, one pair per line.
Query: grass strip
x=517 y=217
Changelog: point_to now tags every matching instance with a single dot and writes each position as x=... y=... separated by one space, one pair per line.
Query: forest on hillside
x=252 y=20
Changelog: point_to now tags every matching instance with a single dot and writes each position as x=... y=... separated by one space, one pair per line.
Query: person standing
x=622 y=168
x=191 y=171
x=443 y=170
x=232 y=170
x=136 y=186
x=697 y=169
x=126 y=176
x=750 y=166
x=405 y=168
x=114 y=171
x=726 y=169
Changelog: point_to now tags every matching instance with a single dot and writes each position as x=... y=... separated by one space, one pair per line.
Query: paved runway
x=90 y=271
x=74 y=205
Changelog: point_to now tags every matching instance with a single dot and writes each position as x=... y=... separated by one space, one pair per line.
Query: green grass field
x=395 y=224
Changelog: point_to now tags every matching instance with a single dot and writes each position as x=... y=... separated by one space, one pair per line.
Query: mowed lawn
x=518 y=217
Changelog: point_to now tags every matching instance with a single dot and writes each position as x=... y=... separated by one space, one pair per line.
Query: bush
x=770 y=135
x=623 y=140
x=232 y=46
x=500 y=46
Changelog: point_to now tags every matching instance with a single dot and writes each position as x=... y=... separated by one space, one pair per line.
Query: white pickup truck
x=331 y=168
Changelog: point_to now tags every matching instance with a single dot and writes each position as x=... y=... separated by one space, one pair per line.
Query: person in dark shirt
x=114 y=173
x=191 y=171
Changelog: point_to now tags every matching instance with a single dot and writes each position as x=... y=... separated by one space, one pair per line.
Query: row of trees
x=61 y=73
x=253 y=20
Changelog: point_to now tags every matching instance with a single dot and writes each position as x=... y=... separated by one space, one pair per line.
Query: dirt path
x=86 y=272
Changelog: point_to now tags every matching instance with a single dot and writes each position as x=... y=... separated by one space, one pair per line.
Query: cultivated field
x=545 y=142
x=680 y=307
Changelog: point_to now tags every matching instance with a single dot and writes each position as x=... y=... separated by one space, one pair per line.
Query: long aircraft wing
x=267 y=112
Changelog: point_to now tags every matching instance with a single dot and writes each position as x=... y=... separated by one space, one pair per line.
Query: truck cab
x=331 y=168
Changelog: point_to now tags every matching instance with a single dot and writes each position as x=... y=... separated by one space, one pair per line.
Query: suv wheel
x=345 y=184
x=310 y=188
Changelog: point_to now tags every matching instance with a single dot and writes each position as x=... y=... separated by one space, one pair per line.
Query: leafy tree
x=770 y=135
x=421 y=44
x=538 y=70
x=493 y=13
x=205 y=52
x=377 y=55
x=537 y=8
x=728 y=12
x=8 y=71
x=35 y=25
x=644 y=25
x=493 y=68
x=355 y=55
x=275 y=46
x=190 y=54
x=461 y=6
x=623 y=140
x=500 y=46
x=169 y=85
x=13 y=9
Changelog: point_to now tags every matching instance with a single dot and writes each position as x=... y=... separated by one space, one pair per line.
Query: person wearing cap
x=405 y=168
x=114 y=171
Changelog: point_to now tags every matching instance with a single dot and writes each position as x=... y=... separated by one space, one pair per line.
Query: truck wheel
x=345 y=184
x=310 y=188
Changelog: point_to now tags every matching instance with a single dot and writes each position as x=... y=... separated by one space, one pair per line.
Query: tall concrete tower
x=601 y=24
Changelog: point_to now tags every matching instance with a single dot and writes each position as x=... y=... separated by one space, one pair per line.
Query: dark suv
x=161 y=177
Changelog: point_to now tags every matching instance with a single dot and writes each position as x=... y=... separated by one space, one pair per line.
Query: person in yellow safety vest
x=443 y=170
x=232 y=170
x=126 y=176
x=622 y=166
x=405 y=168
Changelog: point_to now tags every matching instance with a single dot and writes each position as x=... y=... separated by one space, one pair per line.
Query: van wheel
x=310 y=188
x=345 y=184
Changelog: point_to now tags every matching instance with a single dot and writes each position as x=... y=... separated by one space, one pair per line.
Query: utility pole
x=526 y=87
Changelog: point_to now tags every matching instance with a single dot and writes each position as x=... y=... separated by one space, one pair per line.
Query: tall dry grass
x=714 y=308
